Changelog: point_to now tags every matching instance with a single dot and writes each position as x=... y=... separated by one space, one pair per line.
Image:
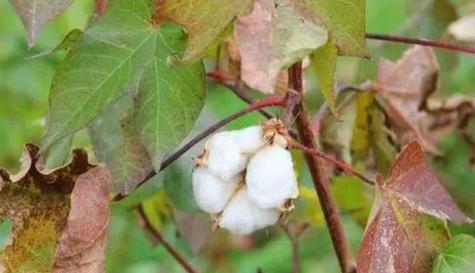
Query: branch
x=424 y=42
x=235 y=88
x=320 y=180
x=341 y=164
x=157 y=235
x=267 y=102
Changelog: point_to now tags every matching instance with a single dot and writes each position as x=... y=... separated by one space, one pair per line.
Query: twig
x=342 y=165
x=267 y=102
x=157 y=235
x=294 y=240
x=424 y=42
x=321 y=182
x=235 y=88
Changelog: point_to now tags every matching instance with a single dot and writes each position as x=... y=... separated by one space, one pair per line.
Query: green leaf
x=457 y=255
x=116 y=143
x=353 y=196
x=204 y=20
x=58 y=153
x=324 y=65
x=345 y=20
x=120 y=53
x=36 y=13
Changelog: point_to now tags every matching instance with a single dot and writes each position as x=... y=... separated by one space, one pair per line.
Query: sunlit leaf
x=457 y=255
x=204 y=20
x=324 y=65
x=345 y=20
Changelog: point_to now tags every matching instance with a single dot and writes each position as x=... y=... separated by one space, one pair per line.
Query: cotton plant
x=245 y=178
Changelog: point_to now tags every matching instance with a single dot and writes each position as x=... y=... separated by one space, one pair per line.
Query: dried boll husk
x=270 y=177
x=241 y=216
x=211 y=193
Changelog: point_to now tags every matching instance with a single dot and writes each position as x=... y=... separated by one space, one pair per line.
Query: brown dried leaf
x=405 y=86
x=82 y=245
x=401 y=235
x=38 y=203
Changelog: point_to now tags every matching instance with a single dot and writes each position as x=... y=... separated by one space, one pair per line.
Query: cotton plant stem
x=424 y=42
x=340 y=164
x=235 y=88
x=158 y=236
x=267 y=102
x=320 y=179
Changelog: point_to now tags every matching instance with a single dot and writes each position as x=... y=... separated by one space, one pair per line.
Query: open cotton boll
x=224 y=156
x=249 y=139
x=241 y=216
x=210 y=192
x=270 y=177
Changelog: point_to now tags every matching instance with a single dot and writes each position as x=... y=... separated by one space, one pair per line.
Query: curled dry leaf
x=272 y=37
x=82 y=244
x=404 y=232
x=50 y=207
x=405 y=87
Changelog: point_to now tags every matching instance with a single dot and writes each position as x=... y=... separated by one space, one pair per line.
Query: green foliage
x=457 y=255
x=137 y=84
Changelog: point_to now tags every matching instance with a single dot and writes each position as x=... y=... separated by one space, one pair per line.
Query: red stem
x=320 y=179
x=267 y=102
x=157 y=235
x=341 y=164
x=424 y=42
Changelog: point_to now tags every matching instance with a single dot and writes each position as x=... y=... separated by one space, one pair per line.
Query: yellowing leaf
x=345 y=21
x=308 y=208
x=59 y=218
x=324 y=65
x=276 y=34
x=157 y=209
x=204 y=20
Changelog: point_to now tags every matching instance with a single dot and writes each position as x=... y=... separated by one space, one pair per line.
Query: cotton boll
x=210 y=192
x=241 y=216
x=249 y=139
x=270 y=177
x=224 y=156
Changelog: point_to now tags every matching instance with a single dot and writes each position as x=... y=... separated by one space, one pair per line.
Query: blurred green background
x=24 y=85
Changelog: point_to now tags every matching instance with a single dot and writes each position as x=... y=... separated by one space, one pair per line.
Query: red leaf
x=411 y=179
x=401 y=236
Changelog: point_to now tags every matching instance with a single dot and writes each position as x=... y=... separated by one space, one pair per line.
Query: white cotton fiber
x=224 y=156
x=210 y=192
x=270 y=177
